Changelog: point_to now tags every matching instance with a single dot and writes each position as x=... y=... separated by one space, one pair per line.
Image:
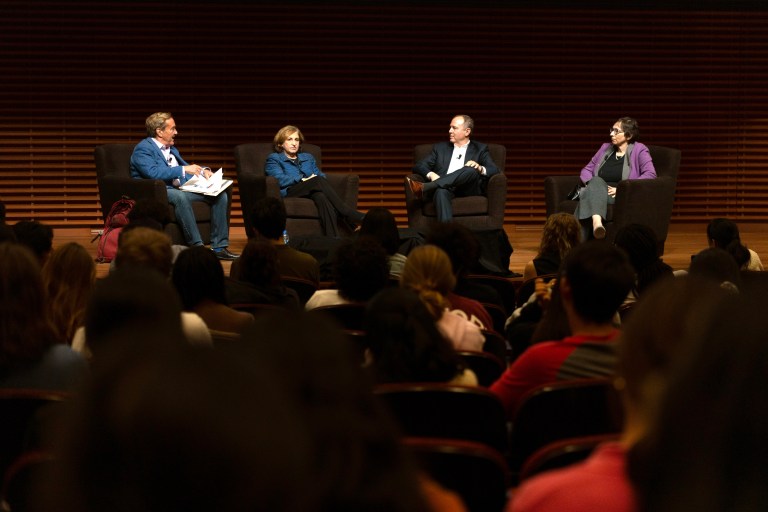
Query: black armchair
x=478 y=213
x=113 y=172
x=647 y=202
x=254 y=184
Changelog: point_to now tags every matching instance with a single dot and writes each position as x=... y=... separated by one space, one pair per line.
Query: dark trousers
x=462 y=183
x=328 y=203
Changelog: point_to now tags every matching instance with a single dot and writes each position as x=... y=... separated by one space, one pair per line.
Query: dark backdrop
x=367 y=81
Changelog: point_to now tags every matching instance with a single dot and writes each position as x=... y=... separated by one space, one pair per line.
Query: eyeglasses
x=615 y=131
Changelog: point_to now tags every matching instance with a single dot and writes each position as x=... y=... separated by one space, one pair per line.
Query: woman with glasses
x=621 y=159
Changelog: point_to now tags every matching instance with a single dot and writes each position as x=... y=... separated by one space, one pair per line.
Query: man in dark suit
x=157 y=158
x=456 y=168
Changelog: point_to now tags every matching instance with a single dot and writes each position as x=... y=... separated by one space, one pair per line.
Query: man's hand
x=476 y=166
x=193 y=169
x=432 y=176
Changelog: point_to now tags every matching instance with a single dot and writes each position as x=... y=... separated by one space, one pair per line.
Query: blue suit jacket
x=440 y=158
x=290 y=172
x=148 y=162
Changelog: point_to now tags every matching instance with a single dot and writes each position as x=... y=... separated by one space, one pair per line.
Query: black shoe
x=224 y=254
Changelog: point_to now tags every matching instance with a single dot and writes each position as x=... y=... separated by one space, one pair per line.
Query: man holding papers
x=157 y=158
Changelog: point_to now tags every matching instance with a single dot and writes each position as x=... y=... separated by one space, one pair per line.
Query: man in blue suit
x=157 y=158
x=456 y=168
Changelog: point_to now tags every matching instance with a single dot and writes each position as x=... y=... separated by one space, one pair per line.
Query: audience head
x=708 y=446
x=38 y=237
x=630 y=127
x=428 y=272
x=198 y=275
x=640 y=244
x=718 y=266
x=268 y=218
x=145 y=248
x=127 y=306
x=360 y=269
x=68 y=277
x=357 y=462
x=724 y=234
x=156 y=122
x=6 y=233
x=192 y=430
x=153 y=209
x=404 y=341
x=259 y=265
x=25 y=331
x=658 y=332
x=595 y=279
x=561 y=234
x=282 y=135
x=380 y=224
x=458 y=242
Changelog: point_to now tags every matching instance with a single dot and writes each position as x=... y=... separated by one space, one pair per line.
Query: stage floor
x=683 y=241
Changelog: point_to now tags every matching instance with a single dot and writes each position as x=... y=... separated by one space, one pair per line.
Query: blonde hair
x=156 y=122
x=283 y=134
x=428 y=272
x=561 y=234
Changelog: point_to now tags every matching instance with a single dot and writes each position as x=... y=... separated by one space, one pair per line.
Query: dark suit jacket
x=440 y=158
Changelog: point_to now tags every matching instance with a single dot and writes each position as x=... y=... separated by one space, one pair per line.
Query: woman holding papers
x=298 y=176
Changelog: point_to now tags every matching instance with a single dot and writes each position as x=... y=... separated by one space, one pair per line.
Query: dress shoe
x=417 y=188
x=224 y=254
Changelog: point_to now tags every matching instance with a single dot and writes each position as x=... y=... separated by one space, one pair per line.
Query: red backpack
x=117 y=218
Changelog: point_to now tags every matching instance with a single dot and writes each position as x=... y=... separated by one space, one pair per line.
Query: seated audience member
x=68 y=277
x=152 y=213
x=594 y=281
x=724 y=233
x=199 y=279
x=405 y=345
x=129 y=307
x=6 y=233
x=30 y=356
x=380 y=225
x=356 y=461
x=463 y=249
x=653 y=341
x=360 y=270
x=706 y=450
x=268 y=219
x=36 y=236
x=428 y=273
x=182 y=429
x=259 y=281
x=561 y=233
x=716 y=265
x=641 y=246
x=145 y=250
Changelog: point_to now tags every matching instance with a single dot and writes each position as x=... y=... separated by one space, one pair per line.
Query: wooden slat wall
x=367 y=82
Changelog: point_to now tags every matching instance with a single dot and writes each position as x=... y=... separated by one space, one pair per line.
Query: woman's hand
x=612 y=191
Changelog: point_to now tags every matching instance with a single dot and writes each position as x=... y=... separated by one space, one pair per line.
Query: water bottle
x=285 y=237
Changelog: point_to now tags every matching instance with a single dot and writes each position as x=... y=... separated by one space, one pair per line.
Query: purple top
x=640 y=163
